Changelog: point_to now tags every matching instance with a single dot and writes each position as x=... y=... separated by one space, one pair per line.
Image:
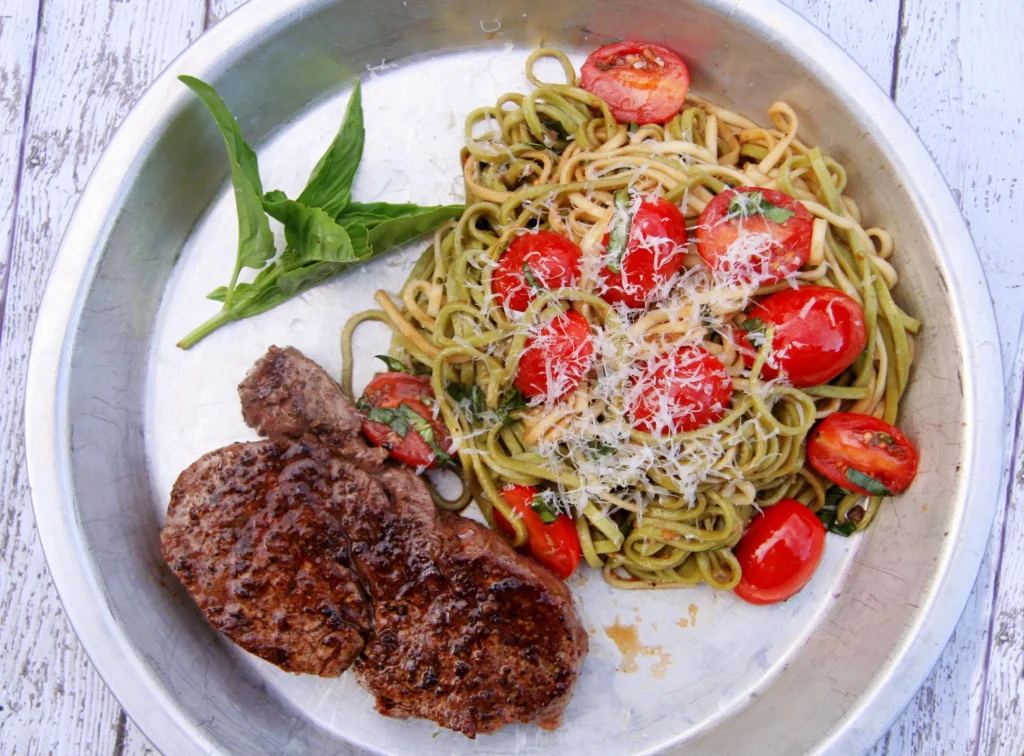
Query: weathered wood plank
x=19 y=20
x=94 y=59
x=956 y=83
x=866 y=29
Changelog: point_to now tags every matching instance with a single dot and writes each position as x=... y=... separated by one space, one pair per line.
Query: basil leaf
x=544 y=509
x=511 y=401
x=255 y=241
x=473 y=395
x=390 y=226
x=753 y=325
x=619 y=234
x=395 y=366
x=330 y=184
x=422 y=426
x=600 y=449
x=827 y=516
x=363 y=404
x=845 y=529
x=834 y=496
x=395 y=419
x=869 y=484
x=746 y=204
x=531 y=279
x=477 y=399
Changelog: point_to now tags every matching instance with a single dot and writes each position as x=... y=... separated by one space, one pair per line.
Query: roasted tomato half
x=642 y=83
x=552 y=538
x=862 y=453
x=398 y=417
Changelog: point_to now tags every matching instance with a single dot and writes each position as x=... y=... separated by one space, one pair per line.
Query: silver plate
x=115 y=411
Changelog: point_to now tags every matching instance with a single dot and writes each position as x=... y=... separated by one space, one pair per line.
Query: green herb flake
x=394 y=418
x=531 y=279
x=511 y=402
x=633 y=126
x=393 y=365
x=845 y=529
x=866 y=482
x=619 y=234
x=753 y=325
x=885 y=438
x=746 y=204
x=363 y=405
x=544 y=509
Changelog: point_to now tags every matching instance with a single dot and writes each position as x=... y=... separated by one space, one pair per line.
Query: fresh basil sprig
x=325 y=232
x=745 y=204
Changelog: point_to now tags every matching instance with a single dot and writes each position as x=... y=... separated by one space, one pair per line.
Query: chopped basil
x=362 y=404
x=869 y=484
x=885 y=438
x=395 y=366
x=829 y=513
x=473 y=394
x=753 y=325
x=633 y=126
x=745 y=204
x=531 y=279
x=402 y=419
x=512 y=401
x=600 y=449
x=544 y=509
x=619 y=234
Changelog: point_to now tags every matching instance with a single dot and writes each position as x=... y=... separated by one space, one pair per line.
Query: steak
x=467 y=632
x=253 y=533
x=313 y=552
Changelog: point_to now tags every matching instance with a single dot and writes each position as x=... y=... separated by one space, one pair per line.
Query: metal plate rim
x=47 y=432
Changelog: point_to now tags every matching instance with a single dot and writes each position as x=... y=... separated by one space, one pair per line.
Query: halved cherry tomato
x=556 y=357
x=681 y=391
x=555 y=545
x=391 y=390
x=753 y=246
x=861 y=453
x=642 y=83
x=779 y=552
x=655 y=251
x=819 y=332
x=552 y=260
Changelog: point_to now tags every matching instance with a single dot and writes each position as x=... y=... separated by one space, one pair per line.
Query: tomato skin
x=389 y=390
x=667 y=379
x=646 y=267
x=790 y=242
x=556 y=357
x=553 y=259
x=653 y=93
x=556 y=545
x=819 y=332
x=846 y=440
x=779 y=552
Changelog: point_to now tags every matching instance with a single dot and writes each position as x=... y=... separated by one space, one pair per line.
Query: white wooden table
x=71 y=69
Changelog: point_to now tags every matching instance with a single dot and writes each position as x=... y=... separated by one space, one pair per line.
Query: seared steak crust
x=468 y=633
x=253 y=534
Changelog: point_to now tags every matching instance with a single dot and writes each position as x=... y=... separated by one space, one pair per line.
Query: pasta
x=651 y=510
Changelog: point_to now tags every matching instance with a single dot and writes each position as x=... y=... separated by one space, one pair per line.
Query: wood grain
x=866 y=29
x=94 y=59
x=958 y=89
x=953 y=82
x=19 y=21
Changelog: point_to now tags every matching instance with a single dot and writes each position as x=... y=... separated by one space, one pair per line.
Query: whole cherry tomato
x=758 y=235
x=681 y=391
x=544 y=260
x=862 y=454
x=779 y=552
x=819 y=332
x=556 y=357
x=655 y=251
x=642 y=83
x=389 y=391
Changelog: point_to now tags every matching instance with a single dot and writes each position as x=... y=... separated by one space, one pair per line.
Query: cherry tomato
x=779 y=552
x=642 y=83
x=754 y=247
x=681 y=391
x=819 y=332
x=389 y=391
x=555 y=545
x=556 y=357
x=550 y=258
x=861 y=452
x=655 y=251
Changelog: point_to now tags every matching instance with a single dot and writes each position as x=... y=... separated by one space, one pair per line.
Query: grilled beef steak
x=463 y=630
x=254 y=535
